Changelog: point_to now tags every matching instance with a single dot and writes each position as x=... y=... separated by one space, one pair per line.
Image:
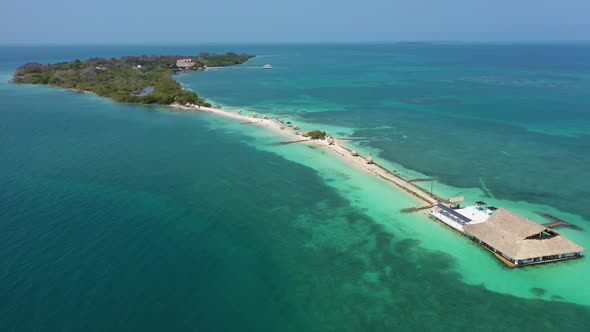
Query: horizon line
x=333 y=42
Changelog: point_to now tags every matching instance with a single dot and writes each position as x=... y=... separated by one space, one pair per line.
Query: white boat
x=267 y=67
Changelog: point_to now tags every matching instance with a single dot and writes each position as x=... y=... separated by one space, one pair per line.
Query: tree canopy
x=125 y=79
x=317 y=134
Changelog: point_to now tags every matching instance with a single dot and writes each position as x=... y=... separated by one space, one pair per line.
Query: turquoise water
x=120 y=217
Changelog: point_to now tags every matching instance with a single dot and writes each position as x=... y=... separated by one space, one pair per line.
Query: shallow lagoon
x=130 y=217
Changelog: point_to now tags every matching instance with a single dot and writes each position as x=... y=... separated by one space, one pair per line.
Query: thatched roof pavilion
x=254 y=114
x=521 y=240
x=330 y=141
x=295 y=127
x=265 y=116
x=370 y=160
x=354 y=153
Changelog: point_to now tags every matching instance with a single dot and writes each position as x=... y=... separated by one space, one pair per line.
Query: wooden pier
x=557 y=222
x=421 y=180
x=291 y=142
x=416 y=209
x=400 y=182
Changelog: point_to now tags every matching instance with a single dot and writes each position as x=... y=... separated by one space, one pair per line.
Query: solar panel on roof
x=454 y=213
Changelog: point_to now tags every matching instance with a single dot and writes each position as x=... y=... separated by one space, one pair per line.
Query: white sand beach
x=335 y=146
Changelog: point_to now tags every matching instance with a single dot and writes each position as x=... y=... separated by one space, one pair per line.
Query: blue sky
x=187 y=21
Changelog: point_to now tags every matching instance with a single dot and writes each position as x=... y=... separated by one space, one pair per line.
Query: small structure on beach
x=455 y=202
x=265 y=116
x=480 y=205
x=306 y=134
x=239 y=112
x=296 y=127
x=254 y=115
x=330 y=141
x=370 y=160
x=521 y=241
x=354 y=153
x=282 y=127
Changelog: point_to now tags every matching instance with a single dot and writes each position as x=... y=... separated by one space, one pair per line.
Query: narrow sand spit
x=337 y=147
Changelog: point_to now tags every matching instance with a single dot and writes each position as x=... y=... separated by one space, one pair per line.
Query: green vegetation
x=125 y=79
x=316 y=134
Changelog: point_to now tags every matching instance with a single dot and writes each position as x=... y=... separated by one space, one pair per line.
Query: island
x=131 y=79
x=514 y=239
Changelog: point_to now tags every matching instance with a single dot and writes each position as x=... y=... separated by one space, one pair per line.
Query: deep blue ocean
x=118 y=217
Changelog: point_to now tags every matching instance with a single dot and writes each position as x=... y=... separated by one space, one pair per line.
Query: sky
x=284 y=21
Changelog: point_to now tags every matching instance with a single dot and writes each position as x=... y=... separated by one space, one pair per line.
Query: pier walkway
x=382 y=172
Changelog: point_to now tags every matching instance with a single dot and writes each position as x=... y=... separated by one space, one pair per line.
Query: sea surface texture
x=118 y=217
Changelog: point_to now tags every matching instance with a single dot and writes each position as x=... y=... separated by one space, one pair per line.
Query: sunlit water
x=141 y=218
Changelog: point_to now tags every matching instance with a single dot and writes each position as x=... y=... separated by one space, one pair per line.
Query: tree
x=316 y=134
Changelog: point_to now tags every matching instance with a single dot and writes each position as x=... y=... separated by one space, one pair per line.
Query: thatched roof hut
x=330 y=141
x=265 y=116
x=520 y=238
x=369 y=160
x=305 y=133
x=354 y=153
x=254 y=115
x=295 y=127
x=282 y=127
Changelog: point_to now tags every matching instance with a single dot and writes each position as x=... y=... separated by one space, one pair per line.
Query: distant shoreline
x=126 y=79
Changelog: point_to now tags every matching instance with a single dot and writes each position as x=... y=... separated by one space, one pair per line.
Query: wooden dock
x=557 y=222
x=421 y=180
x=291 y=142
x=402 y=183
x=416 y=209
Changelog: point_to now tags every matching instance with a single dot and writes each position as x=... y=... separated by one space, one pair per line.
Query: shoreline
x=429 y=201
x=335 y=146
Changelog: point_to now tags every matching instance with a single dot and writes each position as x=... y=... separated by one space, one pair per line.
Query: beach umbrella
x=354 y=153
x=330 y=141
x=295 y=127
x=254 y=114
x=265 y=116
x=369 y=160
